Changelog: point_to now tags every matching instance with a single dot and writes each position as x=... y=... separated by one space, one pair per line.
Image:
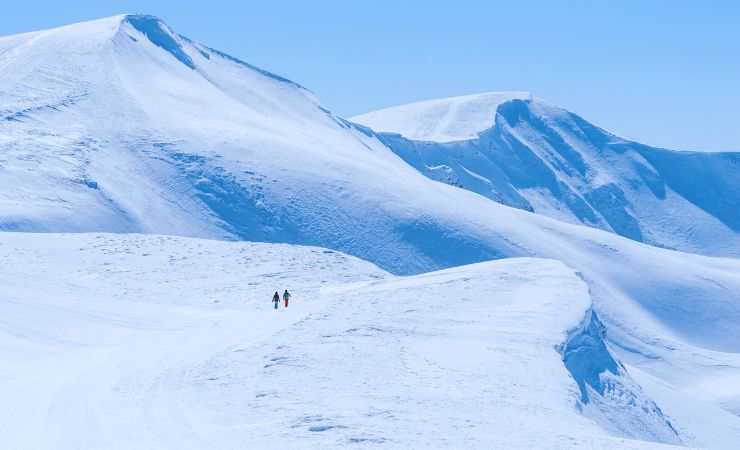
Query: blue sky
x=665 y=73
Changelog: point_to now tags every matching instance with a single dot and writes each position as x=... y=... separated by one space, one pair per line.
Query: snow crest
x=441 y=120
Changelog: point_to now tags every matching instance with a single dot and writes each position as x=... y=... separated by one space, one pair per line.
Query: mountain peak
x=140 y=16
x=107 y=28
x=160 y=35
x=441 y=120
x=145 y=22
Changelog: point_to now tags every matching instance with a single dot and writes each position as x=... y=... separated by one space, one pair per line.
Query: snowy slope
x=123 y=125
x=109 y=130
x=146 y=341
x=149 y=342
x=524 y=153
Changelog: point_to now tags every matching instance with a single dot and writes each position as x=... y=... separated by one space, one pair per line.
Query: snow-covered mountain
x=522 y=152
x=123 y=125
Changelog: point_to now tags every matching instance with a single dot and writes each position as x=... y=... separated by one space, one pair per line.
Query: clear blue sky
x=665 y=73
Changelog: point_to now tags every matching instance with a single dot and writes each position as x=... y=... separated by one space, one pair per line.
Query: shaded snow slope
x=536 y=157
x=147 y=342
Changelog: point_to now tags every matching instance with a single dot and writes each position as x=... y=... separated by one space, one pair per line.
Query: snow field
x=136 y=341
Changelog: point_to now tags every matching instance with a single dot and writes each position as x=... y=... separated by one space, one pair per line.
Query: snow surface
x=441 y=120
x=122 y=125
x=148 y=342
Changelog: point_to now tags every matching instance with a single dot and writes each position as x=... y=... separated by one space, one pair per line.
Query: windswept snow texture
x=143 y=342
x=529 y=155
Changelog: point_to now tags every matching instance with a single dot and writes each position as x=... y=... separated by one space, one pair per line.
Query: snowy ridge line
x=405 y=342
x=169 y=40
x=139 y=325
x=441 y=120
x=181 y=47
x=544 y=159
x=607 y=393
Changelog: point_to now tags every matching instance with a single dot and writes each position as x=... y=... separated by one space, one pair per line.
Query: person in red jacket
x=286 y=297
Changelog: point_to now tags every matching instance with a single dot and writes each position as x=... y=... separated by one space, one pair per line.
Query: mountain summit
x=441 y=120
x=525 y=153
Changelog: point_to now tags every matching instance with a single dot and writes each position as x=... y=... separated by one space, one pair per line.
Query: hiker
x=286 y=297
x=276 y=299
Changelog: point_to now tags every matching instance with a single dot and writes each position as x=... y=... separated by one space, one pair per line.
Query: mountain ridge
x=545 y=159
x=440 y=120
